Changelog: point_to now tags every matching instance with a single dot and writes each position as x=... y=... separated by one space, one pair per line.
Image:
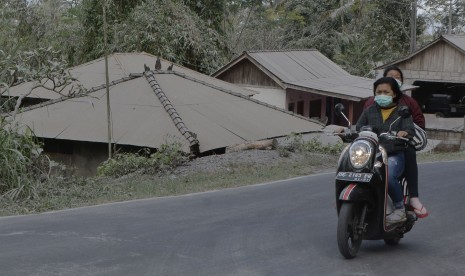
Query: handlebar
x=392 y=136
x=349 y=135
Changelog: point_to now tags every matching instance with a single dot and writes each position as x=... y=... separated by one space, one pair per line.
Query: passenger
x=411 y=166
x=380 y=116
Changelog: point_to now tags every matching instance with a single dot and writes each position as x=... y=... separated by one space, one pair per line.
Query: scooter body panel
x=367 y=186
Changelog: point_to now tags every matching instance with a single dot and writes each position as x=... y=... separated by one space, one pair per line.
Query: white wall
x=276 y=97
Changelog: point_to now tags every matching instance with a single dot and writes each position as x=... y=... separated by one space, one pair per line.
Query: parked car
x=444 y=105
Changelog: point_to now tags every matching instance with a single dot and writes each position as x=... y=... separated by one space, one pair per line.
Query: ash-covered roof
x=154 y=107
x=306 y=70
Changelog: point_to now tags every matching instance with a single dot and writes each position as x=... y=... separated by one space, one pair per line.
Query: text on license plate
x=352 y=176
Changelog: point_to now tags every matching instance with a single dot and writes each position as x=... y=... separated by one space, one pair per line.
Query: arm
x=417 y=114
x=407 y=127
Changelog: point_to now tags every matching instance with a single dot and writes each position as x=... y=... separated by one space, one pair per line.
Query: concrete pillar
x=462 y=140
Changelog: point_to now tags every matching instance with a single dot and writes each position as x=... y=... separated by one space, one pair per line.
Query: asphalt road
x=280 y=228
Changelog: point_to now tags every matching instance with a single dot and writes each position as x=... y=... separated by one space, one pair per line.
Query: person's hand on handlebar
x=340 y=130
x=402 y=133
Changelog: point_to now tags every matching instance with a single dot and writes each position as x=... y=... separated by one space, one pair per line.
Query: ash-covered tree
x=166 y=28
x=91 y=20
x=445 y=16
x=171 y=30
x=23 y=165
x=23 y=59
x=310 y=24
x=210 y=11
x=356 y=34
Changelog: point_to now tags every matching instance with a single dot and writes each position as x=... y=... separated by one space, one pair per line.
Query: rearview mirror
x=339 y=108
x=404 y=112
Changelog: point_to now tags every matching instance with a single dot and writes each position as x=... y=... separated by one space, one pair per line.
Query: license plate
x=352 y=176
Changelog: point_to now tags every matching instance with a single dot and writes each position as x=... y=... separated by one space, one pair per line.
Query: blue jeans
x=396 y=163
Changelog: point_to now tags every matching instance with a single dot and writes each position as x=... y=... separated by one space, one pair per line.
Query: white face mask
x=399 y=82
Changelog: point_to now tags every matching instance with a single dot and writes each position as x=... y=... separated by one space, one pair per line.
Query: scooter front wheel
x=349 y=237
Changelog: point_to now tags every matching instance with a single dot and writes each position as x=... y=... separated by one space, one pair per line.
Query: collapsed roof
x=154 y=107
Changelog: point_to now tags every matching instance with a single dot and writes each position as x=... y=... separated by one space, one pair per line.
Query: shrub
x=295 y=143
x=166 y=158
x=21 y=163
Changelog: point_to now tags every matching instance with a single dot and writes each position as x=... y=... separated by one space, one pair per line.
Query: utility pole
x=107 y=81
x=449 y=29
x=413 y=27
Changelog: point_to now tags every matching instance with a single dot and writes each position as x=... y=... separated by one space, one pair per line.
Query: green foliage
x=308 y=24
x=43 y=67
x=91 y=20
x=169 y=29
x=168 y=157
x=210 y=11
x=356 y=34
x=28 y=25
x=443 y=13
x=355 y=55
x=255 y=26
x=392 y=29
x=20 y=161
x=160 y=27
x=34 y=65
x=203 y=34
x=295 y=143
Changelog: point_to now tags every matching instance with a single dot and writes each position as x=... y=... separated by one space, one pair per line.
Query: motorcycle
x=362 y=198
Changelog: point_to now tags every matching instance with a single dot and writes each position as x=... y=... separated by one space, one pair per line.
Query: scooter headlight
x=360 y=153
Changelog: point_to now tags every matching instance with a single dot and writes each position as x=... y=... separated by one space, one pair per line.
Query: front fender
x=356 y=192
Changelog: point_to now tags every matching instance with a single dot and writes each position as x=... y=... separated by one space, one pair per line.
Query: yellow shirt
x=386 y=113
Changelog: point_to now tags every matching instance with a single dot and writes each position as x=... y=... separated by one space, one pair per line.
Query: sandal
x=421 y=213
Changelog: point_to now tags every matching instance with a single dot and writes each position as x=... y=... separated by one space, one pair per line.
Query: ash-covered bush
x=295 y=143
x=21 y=162
x=166 y=158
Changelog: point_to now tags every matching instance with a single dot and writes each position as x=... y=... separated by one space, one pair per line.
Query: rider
x=380 y=116
x=411 y=166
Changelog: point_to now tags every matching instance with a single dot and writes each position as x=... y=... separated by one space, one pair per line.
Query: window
x=300 y=108
x=315 y=109
x=290 y=107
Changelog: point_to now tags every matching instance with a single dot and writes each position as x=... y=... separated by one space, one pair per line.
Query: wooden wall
x=440 y=62
x=245 y=72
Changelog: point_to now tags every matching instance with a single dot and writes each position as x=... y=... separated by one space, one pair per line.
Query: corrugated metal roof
x=344 y=87
x=219 y=117
x=291 y=66
x=308 y=70
x=136 y=114
x=457 y=40
x=92 y=74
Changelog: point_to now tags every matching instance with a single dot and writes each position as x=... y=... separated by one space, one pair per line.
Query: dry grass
x=77 y=192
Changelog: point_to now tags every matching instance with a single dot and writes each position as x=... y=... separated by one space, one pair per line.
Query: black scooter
x=362 y=190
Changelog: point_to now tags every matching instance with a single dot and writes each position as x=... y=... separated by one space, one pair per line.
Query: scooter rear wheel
x=349 y=238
